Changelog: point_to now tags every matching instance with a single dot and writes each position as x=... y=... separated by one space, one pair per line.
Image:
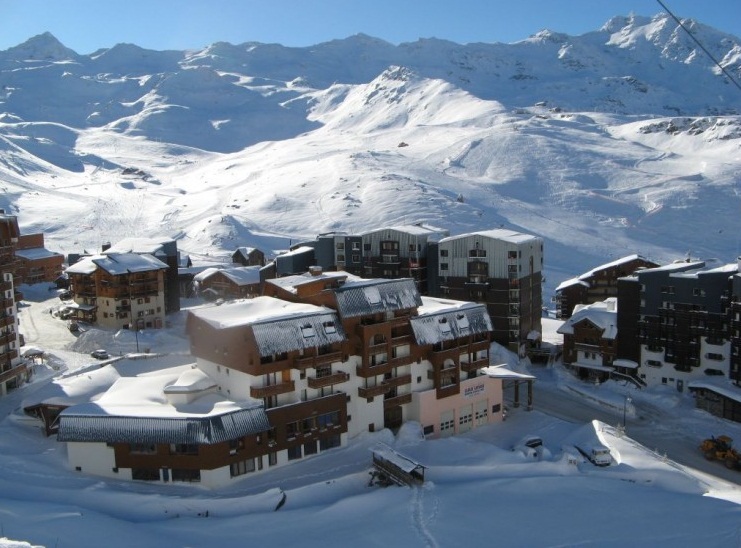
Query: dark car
x=100 y=354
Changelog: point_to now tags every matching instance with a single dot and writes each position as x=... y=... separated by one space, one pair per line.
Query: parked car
x=74 y=327
x=100 y=354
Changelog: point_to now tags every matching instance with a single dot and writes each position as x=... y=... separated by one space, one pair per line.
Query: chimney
x=315 y=270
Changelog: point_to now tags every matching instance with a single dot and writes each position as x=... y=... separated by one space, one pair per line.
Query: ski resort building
x=501 y=269
x=681 y=313
x=13 y=370
x=598 y=284
x=119 y=290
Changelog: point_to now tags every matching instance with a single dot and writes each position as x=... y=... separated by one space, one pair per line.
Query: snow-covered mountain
x=622 y=140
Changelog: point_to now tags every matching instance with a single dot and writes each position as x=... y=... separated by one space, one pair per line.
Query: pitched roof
x=602 y=314
x=242 y=275
x=444 y=320
x=117 y=264
x=502 y=234
x=367 y=297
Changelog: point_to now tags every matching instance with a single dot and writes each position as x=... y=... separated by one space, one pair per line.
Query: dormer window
x=462 y=321
x=444 y=326
x=307 y=331
x=329 y=328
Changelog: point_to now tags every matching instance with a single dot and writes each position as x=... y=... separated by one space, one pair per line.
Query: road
x=650 y=426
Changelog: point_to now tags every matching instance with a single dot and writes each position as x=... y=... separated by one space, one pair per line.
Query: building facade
x=598 y=284
x=399 y=252
x=501 y=269
x=119 y=291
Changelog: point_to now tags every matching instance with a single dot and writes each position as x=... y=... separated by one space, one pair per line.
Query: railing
x=315 y=361
x=373 y=391
x=272 y=390
x=12 y=373
x=475 y=364
x=6 y=338
x=397 y=400
x=328 y=380
x=587 y=347
x=7 y=320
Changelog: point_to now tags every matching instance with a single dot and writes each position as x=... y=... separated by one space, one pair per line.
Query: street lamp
x=625 y=405
x=136 y=334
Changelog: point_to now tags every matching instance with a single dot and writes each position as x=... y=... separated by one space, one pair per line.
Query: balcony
x=390 y=259
x=474 y=365
x=388 y=403
x=12 y=373
x=6 y=338
x=586 y=347
x=7 y=320
x=327 y=380
x=375 y=370
x=317 y=361
x=272 y=390
x=373 y=391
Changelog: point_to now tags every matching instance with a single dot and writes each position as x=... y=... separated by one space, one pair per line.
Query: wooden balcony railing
x=474 y=365
x=7 y=320
x=272 y=390
x=328 y=380
x=384 y=387
x=12 y=373
x=396 y=401
x=318 y=361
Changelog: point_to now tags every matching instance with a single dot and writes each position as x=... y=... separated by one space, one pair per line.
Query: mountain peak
x=42 y=47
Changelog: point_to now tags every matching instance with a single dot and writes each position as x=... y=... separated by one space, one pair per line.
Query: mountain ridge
x=619 y=141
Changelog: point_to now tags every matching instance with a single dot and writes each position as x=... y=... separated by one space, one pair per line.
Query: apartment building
x=598 y=284
x=13 y=370
x=119 y=290
x=501 y=269
x=681 y=313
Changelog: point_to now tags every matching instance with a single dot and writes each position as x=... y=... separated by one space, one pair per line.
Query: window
x=697 y=292
x=310 y=448
x=443 y=266
x=181 y=474
x=366 y=247
x=462 y=321
x=145 y=474
x=143 y=449
x=356 y=246
x=355 y=258
x=183 y=449
x=307 y=331
x=714 y=356
x=272 y=459
x=294 y=452
x=292 y=429
x=444 y=325
x=329 y=442
x=242 y=467
x=329 y=327
x=340 y=246
x=340 y=258
x=235 y=445
x=328 y=420
x=477 y=253
x=653 y=363
x=443 y=252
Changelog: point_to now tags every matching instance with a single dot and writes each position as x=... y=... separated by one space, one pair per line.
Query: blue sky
x=87 y=25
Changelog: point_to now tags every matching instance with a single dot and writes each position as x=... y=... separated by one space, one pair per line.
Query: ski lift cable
x=703 y=48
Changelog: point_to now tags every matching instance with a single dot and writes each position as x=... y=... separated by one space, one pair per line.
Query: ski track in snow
x=419 y=518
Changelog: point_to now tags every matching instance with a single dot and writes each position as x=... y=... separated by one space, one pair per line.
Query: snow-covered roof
x=298 y=251
x=117 y=263
x=136 y=410
x=298 y=332
x=445 y=320
x=152 y=246
x=720 y=386
x=570 y=282
x=502 y=234
x=292 y=283
x=622 y=362
x=400 y=461
x=367 y=297
x=602 y=314
x=242 y=275
x=502 y=372
x=244 y=250
x=250 y=311
x=36 y=253
x=414 y=230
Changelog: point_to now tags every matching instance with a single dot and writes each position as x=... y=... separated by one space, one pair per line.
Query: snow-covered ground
x=478 y=491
